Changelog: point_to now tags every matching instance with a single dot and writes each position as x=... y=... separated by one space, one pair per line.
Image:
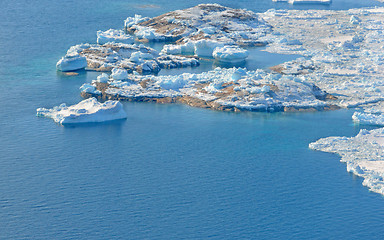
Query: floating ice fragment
x=89 y=110
x=71 y=62
x=231 y=54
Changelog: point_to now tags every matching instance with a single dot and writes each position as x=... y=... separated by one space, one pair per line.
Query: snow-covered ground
x=86 y=111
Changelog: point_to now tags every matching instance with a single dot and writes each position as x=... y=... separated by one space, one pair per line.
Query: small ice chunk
x=119 y=74
x=230 y=54
x=103 y=78
x=354 y=20
x=88 y=88
x=204 y=47
x=238 y=74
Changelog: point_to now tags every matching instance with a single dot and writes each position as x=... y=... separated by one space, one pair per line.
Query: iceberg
x=86 y=111
x=71 y=62
x=205 y=48
x=230 y=54
x=363 y=155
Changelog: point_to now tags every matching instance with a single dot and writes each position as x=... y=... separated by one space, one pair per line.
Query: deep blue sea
x=168 y=171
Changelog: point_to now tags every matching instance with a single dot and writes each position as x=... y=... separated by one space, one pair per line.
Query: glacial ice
x=363 y=155
x=86 y=111
x=205 y=48
x=71 y=62
x=230 y=54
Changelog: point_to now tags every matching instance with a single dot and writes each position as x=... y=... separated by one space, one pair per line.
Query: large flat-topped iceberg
x=233 y=89
x=86 y=111
x=363 y=154
x=205 y=21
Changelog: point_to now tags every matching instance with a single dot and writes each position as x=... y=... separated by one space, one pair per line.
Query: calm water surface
x=168 y=171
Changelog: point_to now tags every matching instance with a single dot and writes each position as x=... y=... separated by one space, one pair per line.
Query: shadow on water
x=109 y=124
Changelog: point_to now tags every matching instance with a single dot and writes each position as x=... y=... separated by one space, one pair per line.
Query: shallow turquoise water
x=168 y=171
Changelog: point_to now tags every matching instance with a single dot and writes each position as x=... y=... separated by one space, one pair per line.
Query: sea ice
x=363 y=155
x=231 y=89
x=86 y=111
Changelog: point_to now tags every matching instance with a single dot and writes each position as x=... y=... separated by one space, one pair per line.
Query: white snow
x=86 y=111
x=113 y=35
x=71 y=62
x=363 y=154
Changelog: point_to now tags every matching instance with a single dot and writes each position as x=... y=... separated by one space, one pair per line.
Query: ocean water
x=168 y=171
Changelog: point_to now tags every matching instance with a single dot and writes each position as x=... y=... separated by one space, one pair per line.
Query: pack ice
x=363 y=154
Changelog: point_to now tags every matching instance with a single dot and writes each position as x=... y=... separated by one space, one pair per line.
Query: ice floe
x=343 y=50
x=205 y=21
x=86 y=111
x=363 y=155
x=233 y=89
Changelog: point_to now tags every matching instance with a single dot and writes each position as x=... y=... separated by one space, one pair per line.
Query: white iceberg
x=86 y=111
x=230 y=54
x=204 y=48
x=113 y=35
x=71 y=62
